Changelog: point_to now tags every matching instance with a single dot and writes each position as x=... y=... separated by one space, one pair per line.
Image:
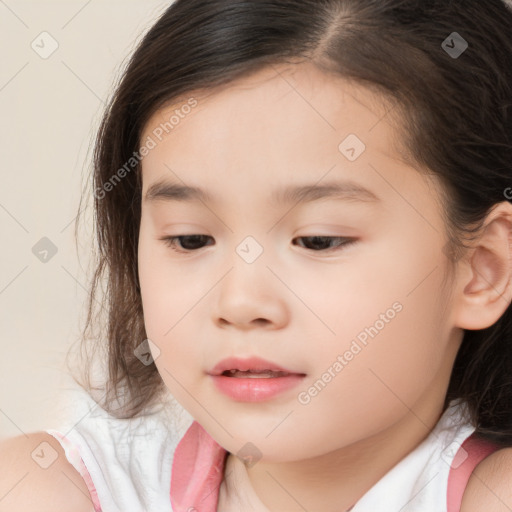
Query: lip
x=251 y=363
x=253 y=389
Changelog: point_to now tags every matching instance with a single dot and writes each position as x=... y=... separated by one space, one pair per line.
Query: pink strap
x=73 y=456
x=472 y=451
x=199 y=461
x=197 y=472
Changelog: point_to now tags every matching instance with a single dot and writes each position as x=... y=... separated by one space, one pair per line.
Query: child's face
x=368 y=324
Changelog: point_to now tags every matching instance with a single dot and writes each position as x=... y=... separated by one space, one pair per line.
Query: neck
x=332 y=482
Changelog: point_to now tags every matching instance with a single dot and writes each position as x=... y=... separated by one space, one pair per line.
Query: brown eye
x=187 y=242
x=322 y=243
x=190 y=243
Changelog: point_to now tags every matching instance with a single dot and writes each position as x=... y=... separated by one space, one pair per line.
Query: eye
x=193 y=241
x=318 y=243
x=190 y=243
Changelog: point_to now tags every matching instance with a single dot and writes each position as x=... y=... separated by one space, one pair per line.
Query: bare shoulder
x=490 y=485
x=35 y=475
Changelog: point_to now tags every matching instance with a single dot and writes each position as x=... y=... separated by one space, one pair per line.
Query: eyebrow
x=341 y=190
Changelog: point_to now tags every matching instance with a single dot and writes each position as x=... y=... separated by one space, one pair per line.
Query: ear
x=485 y=274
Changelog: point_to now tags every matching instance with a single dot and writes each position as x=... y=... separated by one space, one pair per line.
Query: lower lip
x=255 y=389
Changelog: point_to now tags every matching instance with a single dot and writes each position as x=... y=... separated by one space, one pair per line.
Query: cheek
x=387 y=317
x=170 y=301
x=168 y=327
x=165 y=312
x=164 y=288
x=160 y=305
x=384 y=377
x=403 y=353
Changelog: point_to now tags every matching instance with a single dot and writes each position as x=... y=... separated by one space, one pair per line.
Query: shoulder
x=490 y=485
x=36 y=476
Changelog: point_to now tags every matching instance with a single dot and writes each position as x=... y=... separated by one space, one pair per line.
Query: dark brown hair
x=456 y=119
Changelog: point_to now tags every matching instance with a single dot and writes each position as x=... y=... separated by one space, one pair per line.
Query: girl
x=303 y=215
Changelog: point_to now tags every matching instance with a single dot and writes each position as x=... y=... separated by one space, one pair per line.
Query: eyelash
x=170 y=241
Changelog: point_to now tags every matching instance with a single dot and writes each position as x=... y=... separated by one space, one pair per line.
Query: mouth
x=253 y=379
x=256 y=374
x=251 y=368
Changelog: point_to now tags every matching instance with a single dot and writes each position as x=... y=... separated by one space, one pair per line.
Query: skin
x=299 y=307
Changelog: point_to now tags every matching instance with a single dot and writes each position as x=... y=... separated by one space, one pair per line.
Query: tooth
x=256 y=373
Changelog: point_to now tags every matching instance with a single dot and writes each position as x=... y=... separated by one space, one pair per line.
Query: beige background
x=50 y=109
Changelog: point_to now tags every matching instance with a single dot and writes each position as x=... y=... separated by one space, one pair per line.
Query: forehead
x=300 y=89
x=280 y=125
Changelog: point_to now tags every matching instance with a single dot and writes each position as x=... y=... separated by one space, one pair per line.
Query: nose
x=249 y=296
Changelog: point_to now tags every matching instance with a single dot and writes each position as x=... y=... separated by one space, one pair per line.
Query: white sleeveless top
x=128 y=463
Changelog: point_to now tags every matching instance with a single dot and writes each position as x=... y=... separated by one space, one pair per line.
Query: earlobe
x=487 y=292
